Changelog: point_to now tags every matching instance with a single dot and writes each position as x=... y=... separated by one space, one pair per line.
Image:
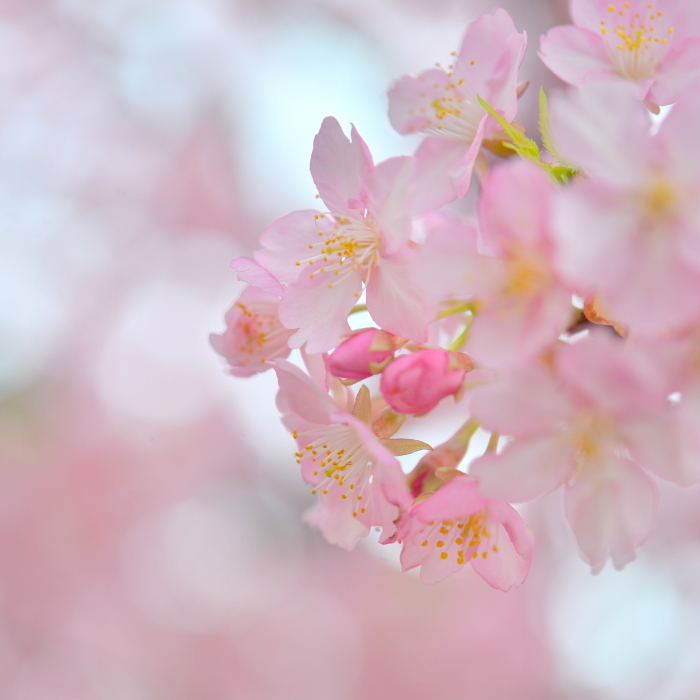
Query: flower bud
x=362 y=354
x=416 y=383
x=441 y=464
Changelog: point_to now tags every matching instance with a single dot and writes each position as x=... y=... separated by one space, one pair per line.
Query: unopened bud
x=363 y=354
x=416 y=383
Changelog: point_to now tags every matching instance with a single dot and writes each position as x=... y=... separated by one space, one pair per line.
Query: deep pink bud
x=362 y=354
x=417 y=383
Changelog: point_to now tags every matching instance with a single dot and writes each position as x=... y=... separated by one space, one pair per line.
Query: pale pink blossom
x=456 y=526
x=252 y=273
x=594 y=427
x=523 y=306
x=363 y=241
x=449 y=258
x=363 y=354
x=630 y=229
x=416 y=383
x=354 y=472
x=504 y=267
x=675 y=444
x=444 y=105
x=253 y=333
x=655 y=46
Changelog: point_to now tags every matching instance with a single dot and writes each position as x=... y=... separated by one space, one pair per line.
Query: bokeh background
x=151 y=537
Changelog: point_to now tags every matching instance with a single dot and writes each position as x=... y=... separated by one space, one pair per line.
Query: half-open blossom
x=253 y=335
x=416 y=383
x=363 y=354
x=355 y=473
x=590 y=428
x=629 y=230
x=654 y=45
x=457 y=526
x=444 y=105
x=325 y=259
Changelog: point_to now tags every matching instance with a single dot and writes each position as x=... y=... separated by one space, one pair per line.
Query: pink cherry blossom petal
x=339 y=166
x=512 y=547
x=575 y=55
x=303 y=396
x=287 y=242
x=661 y=445
x=319 y=306
x=389 y=193
x=488 y=60
x=679 y=72
x=522 y=403
x=394 y=298
x=525 y=470
x=438 y=173
x=505 y=335
x=611 y=511
x=252 y=273
x=449 y=266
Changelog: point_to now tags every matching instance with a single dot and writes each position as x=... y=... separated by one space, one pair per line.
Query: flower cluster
x=563 y=317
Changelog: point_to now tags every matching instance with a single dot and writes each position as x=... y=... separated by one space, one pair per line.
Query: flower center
x=259 y=332
x=635 y=38
x=526 y=276
x=660 y=200
x=339 y=465
x=591 y=437
x=470 y=535
x=456 y=117
x=345 y=245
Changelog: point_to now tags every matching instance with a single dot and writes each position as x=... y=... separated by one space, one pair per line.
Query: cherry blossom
x=655 y=46
x=355 y=472
x=326 y=259
x=253 y=333
x=456 y=526
x=444 y=105
x=594 y=427
x=523 y=304
x=629 y=230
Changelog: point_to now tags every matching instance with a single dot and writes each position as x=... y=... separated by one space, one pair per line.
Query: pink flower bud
x=417 y=383
x=362 y=354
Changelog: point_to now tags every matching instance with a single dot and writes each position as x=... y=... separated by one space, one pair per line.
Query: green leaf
x=560 y=171
x=521 y=144
x=544 y=123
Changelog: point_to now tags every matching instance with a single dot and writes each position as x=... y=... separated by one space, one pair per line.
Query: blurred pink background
x=151 y=536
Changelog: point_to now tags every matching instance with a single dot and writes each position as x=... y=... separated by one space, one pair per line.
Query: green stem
x=467 y=306
x=358 y=308
x=459 y=341
x=493 y=442
x=463 y=436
